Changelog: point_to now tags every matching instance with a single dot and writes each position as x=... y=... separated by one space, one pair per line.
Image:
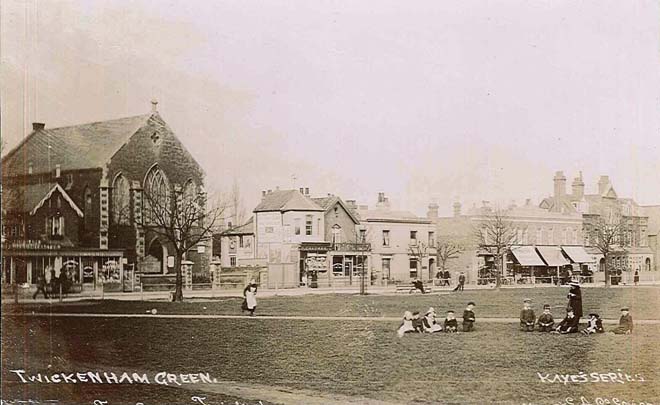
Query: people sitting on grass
x=417 y=322
x=451 y=324
x=527 y=316
x=468 y=317
x=594 y=325
x=546 y=322
x=430 y=323
x=568 y=324
x=625 y=323
x=407 y=324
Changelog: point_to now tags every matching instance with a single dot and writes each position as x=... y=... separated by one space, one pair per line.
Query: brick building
x=73 y=199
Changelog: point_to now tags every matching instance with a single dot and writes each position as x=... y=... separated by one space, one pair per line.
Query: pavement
x=25 y=296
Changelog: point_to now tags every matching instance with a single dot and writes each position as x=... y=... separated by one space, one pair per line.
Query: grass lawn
x=496 y=363
x=643 y=301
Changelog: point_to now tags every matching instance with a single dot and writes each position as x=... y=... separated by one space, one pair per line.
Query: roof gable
x=29 y=198
x=286 y=200
x=81 y=146
x=328 y=203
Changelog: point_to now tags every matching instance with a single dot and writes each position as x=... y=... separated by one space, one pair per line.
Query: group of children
x=414 y=323
x=570 y=323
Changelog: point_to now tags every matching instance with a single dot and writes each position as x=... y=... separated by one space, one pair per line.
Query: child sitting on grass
x=406 y=326
x=546 y=321
x=451 y=324
x=568 y=324
x=468 y=317
x=625 y=323
x=417 y=322
x=527 y=316
x=594 y=325
x=430 y=323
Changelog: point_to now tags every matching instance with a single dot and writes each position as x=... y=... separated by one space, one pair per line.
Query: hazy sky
x=443 y=100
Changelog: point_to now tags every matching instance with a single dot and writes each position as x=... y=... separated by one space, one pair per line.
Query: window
x=413 y=237
x=56 y=225
x=551 y=236
x=308 y=225
x=120 y=200
x=232 y=261
x=413 y=268
x=157 y=197
x=87 y=208
x=386 y=238
x=336 y=234
x=296 y=227
x=386 y=262
x=240 y=241
x=431 y=238
x=363 y=235
x=155 y=138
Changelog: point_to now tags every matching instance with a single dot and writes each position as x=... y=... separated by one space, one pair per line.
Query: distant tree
x=607 y=234
x=496 y=235
x=182 y=217
x=236 y=206
x=447 y=250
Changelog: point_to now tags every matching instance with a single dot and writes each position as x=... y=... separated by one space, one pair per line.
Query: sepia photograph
x=330 y=202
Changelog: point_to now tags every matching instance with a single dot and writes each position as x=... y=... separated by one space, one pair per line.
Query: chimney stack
x=307 y=191
x=457 y=209
x=603 y=183
x=263 y=194
x=560 y=187
x=352 y=204
x=433 y=211
x=381 y=197
x=38 y=126
x=302 y=190
x=578 y=187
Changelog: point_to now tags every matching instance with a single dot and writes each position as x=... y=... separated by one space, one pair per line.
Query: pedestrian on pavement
x=636 y=277
x=461 y=282
x=447 y=278
x=575 y=300
x=41 y=286
x=250 y=294
x=418 y=284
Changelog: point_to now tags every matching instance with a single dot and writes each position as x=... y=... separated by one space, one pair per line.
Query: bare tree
x=447 y=250
x=183 y=219
x=418 y=250
x=237 y=207
x=607 y=235
x=496 y=235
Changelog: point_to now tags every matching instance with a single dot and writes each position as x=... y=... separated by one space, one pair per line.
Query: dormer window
x=155 y=138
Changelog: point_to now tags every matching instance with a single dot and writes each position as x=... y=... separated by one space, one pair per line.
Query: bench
x=410 y=289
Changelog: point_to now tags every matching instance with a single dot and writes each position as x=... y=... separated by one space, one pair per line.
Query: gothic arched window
x=156 y=198
x=121 y=201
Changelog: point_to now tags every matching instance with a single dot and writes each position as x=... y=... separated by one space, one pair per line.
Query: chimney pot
x=302 y=190
x=263 y=193
x=154 y=105
x=38 y=126
x=306 y=190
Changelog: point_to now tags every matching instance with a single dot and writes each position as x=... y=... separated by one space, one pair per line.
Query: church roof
x=81 y=146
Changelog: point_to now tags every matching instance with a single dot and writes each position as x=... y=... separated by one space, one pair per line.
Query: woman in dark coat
x=575 y=299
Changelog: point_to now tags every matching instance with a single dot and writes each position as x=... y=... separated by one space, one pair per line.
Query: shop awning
x=553 y=256
x=526 y=256
x=578 y=254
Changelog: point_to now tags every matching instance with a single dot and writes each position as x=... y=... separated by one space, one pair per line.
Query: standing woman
x=575 y=299
x=250 y=294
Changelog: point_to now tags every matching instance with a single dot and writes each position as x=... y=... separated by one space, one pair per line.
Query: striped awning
x=577 y=254
x=553 y=256
x=527 y=256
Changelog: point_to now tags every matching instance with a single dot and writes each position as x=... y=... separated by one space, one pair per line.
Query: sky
x=428 y=102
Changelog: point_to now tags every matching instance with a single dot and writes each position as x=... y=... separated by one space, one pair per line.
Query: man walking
x=461 y=282
x=41 y=286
